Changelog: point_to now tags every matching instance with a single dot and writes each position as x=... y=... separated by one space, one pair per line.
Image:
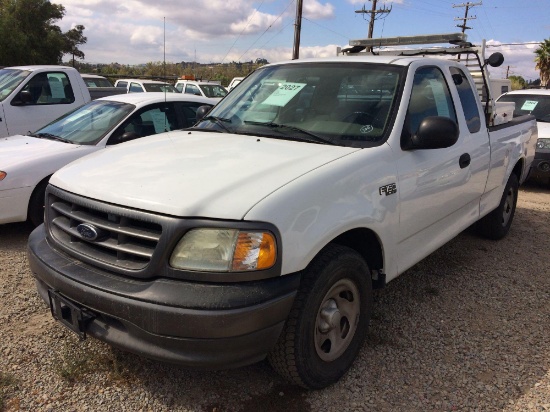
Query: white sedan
x=27 y=162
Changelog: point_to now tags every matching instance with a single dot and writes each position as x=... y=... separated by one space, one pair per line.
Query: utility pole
x=297 y=29
x=466 y=18
x=374 y=15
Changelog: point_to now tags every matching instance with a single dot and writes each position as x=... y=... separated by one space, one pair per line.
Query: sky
x=213 y=31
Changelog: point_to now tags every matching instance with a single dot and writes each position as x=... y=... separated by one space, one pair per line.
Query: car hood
x=199 y=174
x=543 y=129
x=15 y=150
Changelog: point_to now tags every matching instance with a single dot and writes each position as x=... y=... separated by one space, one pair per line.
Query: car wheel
x=36 y=204
x=328 y=321
x=497 y=223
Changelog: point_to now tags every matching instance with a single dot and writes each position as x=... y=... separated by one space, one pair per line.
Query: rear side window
x=135 y=88
x=467 y=100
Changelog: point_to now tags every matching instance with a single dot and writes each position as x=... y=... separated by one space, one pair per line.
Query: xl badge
x=89 y=231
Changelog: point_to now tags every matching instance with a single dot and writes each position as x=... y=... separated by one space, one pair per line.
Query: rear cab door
x=440 y=189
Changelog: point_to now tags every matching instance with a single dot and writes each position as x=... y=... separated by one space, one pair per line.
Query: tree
x=28 y=34
x=543 y=61
x=74 y=38
x=518 y=82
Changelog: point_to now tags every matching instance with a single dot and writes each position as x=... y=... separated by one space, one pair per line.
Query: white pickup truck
x=33 y=96
x=262 y=230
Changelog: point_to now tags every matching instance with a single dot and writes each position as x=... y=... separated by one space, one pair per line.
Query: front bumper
x=203 y=325
x=14 y=204
x=541 y=165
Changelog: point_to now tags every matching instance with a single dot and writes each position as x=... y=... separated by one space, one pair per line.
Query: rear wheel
x=36 y=204
x=328 y=322
x=497 y=223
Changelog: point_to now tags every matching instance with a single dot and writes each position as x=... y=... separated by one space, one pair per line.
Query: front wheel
x=497 y=223
x=328 y=321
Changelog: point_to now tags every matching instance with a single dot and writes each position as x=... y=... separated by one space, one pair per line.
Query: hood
x=199 y=174
x=17 y=150
x=543 y=129
x=28 y=160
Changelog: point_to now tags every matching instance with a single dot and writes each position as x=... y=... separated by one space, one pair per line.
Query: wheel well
x=366 y=243
x=518 y=169
x=45 y=180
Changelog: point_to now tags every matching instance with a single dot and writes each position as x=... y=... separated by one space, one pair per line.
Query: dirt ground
x=468 y=328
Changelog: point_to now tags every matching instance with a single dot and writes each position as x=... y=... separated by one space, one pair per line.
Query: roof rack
x=458 y=39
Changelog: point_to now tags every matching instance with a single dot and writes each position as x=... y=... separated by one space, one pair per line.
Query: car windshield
x=213 y=90
x=9 y=80
x=159 y=87
x=536 y=104
x=88 y=124
x=346 y=104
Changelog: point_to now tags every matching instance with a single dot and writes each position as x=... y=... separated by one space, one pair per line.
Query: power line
x=374 y=15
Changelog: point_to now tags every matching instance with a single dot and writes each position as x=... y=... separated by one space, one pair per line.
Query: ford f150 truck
x=33 y=96
x=262 y=230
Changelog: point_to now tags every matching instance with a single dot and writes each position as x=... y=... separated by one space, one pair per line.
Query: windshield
x=159 y=87
x=213 y=90
x=9 y=80
x=97 y=82
x=536 y=104
x=89 y=123
x=342 y=103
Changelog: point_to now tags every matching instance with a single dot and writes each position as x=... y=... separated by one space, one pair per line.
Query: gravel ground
x=466 y=329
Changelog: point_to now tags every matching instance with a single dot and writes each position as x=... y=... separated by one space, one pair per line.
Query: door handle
x=464 y=160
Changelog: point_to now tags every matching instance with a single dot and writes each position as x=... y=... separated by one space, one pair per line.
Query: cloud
x=316 y=11
x=519 y=60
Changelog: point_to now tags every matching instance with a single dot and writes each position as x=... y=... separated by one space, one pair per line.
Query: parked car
x=213 y=90
x=235 y=81
x=537 y=103
x=33 y=96
x=141 y=86
x=100 y=86
x=94 y=80
x=27 y=162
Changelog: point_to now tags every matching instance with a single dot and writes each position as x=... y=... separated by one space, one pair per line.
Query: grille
x=127 y=238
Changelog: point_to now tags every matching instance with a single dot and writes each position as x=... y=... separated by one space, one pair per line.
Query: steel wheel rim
x=508 y=206
x=337 y=320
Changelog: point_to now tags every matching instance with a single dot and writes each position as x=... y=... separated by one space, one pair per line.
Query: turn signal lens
x=254 y=251
x=2 y=175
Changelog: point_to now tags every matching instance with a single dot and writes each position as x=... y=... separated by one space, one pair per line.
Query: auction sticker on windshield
x=529 y=105
x=284 y=93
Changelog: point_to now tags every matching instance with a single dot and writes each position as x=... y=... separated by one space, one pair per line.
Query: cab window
x=49 y=88
x=430 y=96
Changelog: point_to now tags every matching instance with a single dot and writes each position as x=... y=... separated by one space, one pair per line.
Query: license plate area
x=69 y=314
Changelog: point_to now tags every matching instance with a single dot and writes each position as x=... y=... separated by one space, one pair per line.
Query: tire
x=35 y=214
x=497 y=223
x=328 y=321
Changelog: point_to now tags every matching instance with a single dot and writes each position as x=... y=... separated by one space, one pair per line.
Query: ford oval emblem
x=88 y=231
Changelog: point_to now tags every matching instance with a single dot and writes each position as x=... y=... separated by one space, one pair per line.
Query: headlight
x=2 y=175
x=543 y=144
x=225 y=250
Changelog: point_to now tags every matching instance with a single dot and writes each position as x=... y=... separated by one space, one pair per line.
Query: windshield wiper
x=218 y=120
x=316 y=138
x=50 y=137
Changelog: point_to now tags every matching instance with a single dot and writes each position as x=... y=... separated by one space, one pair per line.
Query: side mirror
x=126 y=137
x=434 y=132
x=202 y=111
x=495 y=60
x=24 y=97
